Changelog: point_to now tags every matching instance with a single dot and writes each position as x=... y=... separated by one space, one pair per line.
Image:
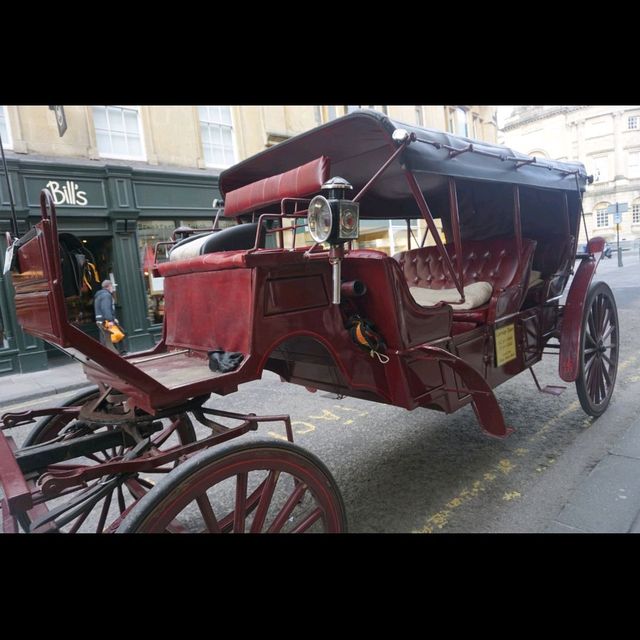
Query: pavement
x=63 y=376
x=607 y=500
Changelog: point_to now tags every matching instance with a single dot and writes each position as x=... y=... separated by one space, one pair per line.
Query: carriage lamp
x=334 y=219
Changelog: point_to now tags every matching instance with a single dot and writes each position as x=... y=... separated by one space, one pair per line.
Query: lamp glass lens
x=320 y=220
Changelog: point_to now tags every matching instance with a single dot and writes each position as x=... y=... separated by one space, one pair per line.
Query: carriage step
x=551 y=389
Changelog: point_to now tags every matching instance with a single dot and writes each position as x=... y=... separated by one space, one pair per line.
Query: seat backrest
x=494 y=260
x=242 y=236
x=552 y=255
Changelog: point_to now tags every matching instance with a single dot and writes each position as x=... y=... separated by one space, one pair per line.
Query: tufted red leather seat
x=494 y=260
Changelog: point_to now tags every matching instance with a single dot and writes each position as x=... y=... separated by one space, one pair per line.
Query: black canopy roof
x=360 y=142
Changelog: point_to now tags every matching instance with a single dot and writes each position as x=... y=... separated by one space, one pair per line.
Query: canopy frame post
x=426 y=214
x=517 y=224
x=455 y=227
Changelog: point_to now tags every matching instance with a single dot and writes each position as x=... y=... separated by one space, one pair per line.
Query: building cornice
x=538 y=114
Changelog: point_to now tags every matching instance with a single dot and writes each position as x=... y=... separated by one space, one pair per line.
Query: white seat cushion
x=188 y=250
x=475 y=295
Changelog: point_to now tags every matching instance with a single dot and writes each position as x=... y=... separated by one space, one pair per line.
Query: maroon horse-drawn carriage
x=472 y=303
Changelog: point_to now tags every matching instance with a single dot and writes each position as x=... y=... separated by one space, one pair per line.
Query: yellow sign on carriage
x=505 y=344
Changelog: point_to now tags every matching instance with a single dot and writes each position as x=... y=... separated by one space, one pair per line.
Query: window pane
x=131 y=121
x=119 y=144
x=226 y=137
x=103 y=141
x=225 y=115
x=135 y=146
x=218 y=156
x=100 y=117
x=114 y=115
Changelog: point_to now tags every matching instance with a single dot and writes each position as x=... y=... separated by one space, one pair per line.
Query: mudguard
x=570 y=334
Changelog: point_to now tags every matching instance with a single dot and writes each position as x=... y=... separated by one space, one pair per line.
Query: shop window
x=85 y=262
x=5 y=132
x=150 y=233
x=216 y=129
x=118 y=132
x=389 y=236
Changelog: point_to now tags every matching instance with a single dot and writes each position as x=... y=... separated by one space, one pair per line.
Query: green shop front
x=119 y=213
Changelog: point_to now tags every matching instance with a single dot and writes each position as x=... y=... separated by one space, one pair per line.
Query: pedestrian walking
x=105 y=311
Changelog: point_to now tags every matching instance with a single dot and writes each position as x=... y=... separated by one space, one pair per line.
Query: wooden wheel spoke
x=207 y=514
x=311 y=519
x=240 y=514
x=589 y=337
x=591 y=377
x=608 y=332
x=607 y=377
x=104 y=513
x=78 y=523
x=122 y=505
x=138 y=487
x=595 y=308
x=591 y=323
x=288 y=508
x=265 y=501
x=588 y=364
x=607 y=359
x=606 y=313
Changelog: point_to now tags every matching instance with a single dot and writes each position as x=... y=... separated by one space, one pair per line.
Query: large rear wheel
x=264 y=487
x=599 y=346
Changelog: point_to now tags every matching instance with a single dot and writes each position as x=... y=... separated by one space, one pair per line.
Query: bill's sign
x=69 y=193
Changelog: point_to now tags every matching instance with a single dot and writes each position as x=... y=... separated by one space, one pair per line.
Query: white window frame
x=117 y=156
x=633 y=123
x=7 y=142
x=453 y=121
x=233 y=137
x=599 y=213
x=635 y=155
x=635 y=213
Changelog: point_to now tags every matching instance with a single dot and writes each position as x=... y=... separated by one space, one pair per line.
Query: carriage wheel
x=599 y=344
x=102 y=514
x=270 y=487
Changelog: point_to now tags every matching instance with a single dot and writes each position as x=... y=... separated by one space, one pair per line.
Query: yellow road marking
x=326 y=415
x=277 y=436
x=511 y=495
x=309 y=427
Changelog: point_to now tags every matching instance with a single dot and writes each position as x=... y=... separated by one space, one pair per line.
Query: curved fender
x=485 y=404
x=574 y=311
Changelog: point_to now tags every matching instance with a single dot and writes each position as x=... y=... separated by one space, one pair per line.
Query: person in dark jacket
x=105 y=310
